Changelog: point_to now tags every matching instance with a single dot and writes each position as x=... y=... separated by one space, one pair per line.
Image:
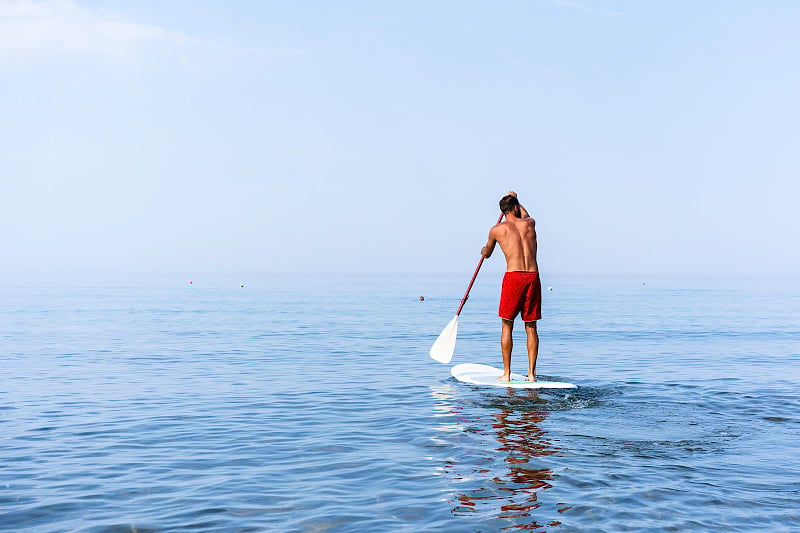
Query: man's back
x=517 y=239
x=521 y=291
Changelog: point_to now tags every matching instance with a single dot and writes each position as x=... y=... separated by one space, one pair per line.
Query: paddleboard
x=487 y=375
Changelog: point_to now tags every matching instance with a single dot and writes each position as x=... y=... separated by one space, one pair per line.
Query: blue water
x=298 y=404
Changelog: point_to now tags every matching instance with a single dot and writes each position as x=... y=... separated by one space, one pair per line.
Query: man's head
x=509 y=204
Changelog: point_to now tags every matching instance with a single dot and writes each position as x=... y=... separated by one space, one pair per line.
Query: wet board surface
x=478 y=374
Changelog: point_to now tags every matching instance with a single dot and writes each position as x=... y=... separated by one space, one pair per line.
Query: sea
x=300 y=403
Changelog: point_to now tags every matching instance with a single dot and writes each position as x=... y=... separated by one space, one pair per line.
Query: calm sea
x=310 y=404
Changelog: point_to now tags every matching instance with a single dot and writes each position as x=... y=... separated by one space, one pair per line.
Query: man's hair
x=508 y=203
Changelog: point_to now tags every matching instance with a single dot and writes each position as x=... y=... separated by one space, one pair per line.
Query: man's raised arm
x=522 y=211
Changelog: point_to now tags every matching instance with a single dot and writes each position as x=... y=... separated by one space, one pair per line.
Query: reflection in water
x=501 y=468
x=522 y=440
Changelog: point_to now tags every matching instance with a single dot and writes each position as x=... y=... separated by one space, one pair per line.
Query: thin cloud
x=31 y=29
x=573 y=4
x=36 y=29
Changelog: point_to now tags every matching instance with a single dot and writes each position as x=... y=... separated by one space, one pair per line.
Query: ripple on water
x=205 y=411
x=516 y=460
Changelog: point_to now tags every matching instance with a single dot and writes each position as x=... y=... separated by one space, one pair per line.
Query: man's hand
x=512 y=193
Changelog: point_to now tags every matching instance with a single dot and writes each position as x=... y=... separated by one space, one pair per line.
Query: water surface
x=295 y=404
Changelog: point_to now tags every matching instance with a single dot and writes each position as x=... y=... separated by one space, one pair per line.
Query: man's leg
x=506 y=345
x=533 y=348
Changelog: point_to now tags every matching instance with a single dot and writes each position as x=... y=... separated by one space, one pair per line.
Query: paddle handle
x=475 y=275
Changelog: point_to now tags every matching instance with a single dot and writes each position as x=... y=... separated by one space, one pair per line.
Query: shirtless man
x=522 y=290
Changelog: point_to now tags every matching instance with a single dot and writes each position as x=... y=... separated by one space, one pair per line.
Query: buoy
x=549 y=288
x=241 y=285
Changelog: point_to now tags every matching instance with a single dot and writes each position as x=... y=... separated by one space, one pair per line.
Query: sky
x=195 y=136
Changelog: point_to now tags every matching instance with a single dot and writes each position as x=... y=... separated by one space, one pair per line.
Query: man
x=522 y=289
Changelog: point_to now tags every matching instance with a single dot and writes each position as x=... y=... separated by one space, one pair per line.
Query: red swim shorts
x=522 y=291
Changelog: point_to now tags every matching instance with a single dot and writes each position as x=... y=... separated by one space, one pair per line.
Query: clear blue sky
x=254 y=136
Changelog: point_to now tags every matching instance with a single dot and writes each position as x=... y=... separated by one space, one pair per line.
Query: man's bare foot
x=529 y=378
x=504 y=377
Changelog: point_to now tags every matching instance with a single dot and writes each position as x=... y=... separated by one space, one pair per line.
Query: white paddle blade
x=442 y=350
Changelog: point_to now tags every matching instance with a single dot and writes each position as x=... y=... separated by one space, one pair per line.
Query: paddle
x=442 y=350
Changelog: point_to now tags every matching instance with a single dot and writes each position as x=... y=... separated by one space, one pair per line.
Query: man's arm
x=487 y=250
x=522 y=211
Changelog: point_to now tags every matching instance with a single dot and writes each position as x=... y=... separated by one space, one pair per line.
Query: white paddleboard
x=487 y=375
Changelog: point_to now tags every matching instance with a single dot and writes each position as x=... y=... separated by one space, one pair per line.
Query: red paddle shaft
x=475 y=275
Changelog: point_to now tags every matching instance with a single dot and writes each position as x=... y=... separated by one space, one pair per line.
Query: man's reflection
x=521 y=441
